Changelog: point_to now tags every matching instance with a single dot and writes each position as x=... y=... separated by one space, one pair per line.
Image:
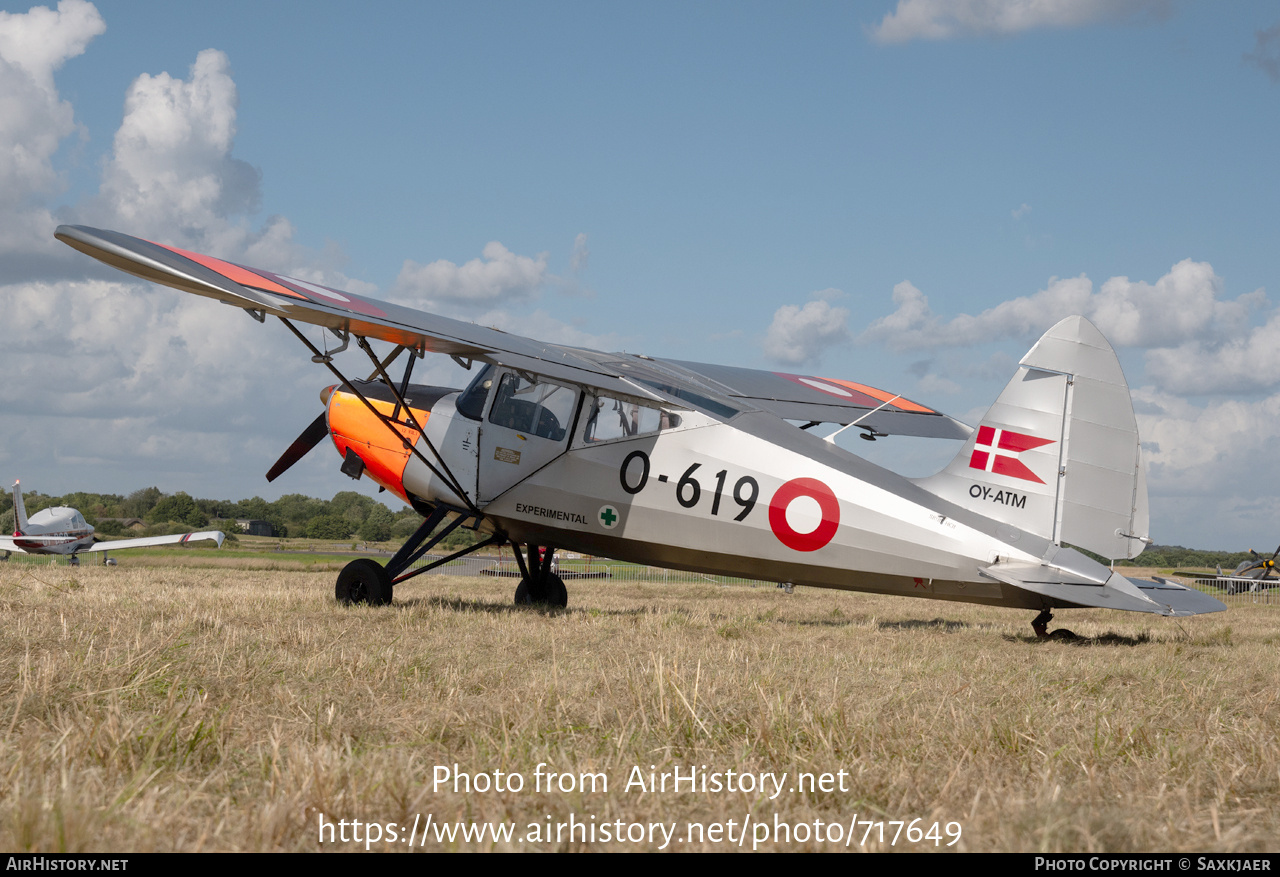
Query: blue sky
x=820 y=187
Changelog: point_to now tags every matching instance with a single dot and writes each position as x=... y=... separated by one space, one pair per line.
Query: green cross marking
x=608 y=516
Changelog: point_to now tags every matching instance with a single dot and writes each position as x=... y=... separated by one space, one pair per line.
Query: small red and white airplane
x=712 y=468
x=64 y=531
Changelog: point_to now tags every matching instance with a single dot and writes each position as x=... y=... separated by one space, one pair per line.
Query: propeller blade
x=311 y=436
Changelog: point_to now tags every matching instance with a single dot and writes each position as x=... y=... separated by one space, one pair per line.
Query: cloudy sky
x=900 y=192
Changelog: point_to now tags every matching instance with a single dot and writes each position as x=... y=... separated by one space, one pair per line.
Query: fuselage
x=55 y=531
x=752 y=497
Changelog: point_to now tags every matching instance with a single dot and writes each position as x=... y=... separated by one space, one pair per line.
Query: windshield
x=471 y=402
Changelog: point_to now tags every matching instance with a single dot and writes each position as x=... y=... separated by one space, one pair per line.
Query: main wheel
x=553 y=593
x=363 y=581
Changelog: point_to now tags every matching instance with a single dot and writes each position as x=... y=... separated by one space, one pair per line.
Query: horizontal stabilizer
x=1065 y=589
x=1183 y=601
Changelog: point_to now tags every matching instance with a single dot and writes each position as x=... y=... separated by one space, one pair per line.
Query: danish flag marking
x=991 y=440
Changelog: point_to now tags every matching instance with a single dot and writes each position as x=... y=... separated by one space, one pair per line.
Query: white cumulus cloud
x=1210 y=468
x=581 y=254
x=1245 y=362
x=541 y=325
x=34 y=120
x=1183 y=305
x=498 y=276
x=798 y=334
x=114 y=375
x=171 y=174
x=949 y=19
x=1222 y=447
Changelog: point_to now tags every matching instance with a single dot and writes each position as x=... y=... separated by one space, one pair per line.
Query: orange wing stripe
x=901 y=403
x=243 y=276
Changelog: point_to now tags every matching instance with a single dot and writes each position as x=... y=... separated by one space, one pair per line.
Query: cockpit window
x=537 y=408
x=608 y=418
x=471 y=402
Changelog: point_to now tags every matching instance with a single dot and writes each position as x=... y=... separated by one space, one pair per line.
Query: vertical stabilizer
x=19 y=510
x=1057 y=455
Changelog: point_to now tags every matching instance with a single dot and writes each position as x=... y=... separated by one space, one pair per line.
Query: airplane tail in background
x=19 y=510
x=1058 y=454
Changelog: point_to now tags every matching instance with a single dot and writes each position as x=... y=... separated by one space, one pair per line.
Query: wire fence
x=1239 y=593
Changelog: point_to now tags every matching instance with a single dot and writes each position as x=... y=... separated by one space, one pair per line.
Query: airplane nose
x=326 y=393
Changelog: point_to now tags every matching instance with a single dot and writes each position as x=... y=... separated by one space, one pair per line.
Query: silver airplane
x=712 y=468
x=64 y=531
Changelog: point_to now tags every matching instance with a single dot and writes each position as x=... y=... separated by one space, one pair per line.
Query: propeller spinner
x=1260 y=567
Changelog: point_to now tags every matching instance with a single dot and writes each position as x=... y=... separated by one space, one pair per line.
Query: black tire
x=363 y=581
x=553 y=594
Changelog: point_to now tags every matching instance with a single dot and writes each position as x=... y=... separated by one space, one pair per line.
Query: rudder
x=1058 y=455
x=19 y=510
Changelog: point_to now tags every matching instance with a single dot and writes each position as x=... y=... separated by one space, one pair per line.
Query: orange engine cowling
x=383 y=449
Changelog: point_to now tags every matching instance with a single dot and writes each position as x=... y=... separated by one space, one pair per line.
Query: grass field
x=220 y=708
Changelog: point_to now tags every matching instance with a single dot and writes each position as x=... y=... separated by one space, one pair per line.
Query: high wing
x=826 y=400
x=147 y=541
x=722 y=391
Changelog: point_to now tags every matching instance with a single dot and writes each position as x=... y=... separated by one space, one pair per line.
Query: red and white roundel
x=828 y=505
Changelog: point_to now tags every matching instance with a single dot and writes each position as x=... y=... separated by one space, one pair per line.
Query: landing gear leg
x=538 y=584
x=1040 y=624
x=366 y=581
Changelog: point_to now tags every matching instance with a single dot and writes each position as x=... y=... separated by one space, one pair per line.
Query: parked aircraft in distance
x=1256 y=574
x=65 y=531
x=695 y=466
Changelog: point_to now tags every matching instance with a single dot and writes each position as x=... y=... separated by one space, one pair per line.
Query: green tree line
x=348 y=515
x=1177 y=557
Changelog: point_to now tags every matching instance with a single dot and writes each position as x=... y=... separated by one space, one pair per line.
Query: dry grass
x=223 y=709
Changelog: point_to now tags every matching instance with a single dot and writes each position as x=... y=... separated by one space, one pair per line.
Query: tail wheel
x=1041 y=626
x=363 y=581
x=551 y=593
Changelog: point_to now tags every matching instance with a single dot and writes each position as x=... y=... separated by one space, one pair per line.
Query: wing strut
x=445 y=475
x=454 y=484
